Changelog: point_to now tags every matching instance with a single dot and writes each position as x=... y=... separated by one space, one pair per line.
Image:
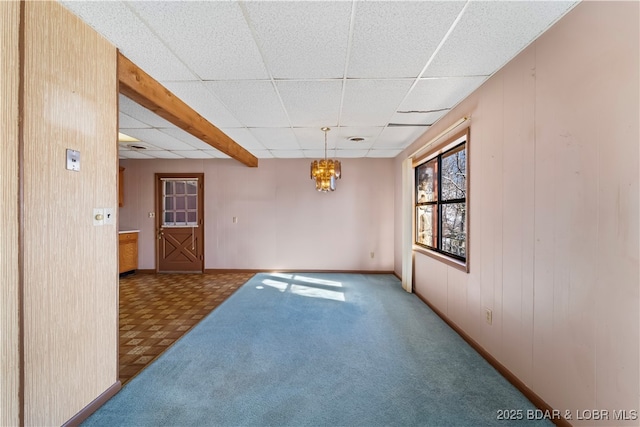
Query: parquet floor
x=157 y=309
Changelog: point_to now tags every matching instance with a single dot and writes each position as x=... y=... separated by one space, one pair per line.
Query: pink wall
x=283 y=222
x=554 y=210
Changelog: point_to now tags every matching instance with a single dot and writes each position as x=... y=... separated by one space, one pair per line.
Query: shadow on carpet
x=326 y=349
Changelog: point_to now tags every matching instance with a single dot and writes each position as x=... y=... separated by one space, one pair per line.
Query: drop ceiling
x=270 y=74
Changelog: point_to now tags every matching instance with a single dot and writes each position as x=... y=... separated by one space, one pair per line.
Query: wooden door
x=180 y=223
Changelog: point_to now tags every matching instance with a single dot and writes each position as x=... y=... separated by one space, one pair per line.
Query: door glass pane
x=192 y=187
x=454 y=174
x=453 y=229
x=192 y=202
x=180 y=202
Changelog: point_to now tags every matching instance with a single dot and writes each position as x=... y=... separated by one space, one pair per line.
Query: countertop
x=128 y=231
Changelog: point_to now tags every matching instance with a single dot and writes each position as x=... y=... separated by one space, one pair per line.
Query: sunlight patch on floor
x=318 y=281
x=307 y=289
x=281 y=286
x=282 y=275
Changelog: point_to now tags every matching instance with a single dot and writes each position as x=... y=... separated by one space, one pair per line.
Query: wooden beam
x=148 y=92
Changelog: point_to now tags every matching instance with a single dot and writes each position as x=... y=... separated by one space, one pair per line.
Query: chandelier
x=325 y=171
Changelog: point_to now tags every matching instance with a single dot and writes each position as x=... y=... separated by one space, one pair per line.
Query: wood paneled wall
x=70 y=265
x=9 y=273
x=554 y=215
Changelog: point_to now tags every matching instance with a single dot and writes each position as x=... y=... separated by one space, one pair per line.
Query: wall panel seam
x=21 y=102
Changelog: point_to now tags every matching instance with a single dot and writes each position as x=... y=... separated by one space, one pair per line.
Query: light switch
x=109 y=216
x=73 y=160
x=98 y=216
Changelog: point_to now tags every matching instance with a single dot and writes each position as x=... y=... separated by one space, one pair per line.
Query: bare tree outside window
x=441 y=202
x=454 y=184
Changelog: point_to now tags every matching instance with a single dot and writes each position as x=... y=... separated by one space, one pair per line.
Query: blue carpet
x=317 y=350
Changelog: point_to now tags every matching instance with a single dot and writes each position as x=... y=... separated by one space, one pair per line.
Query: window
x=179 y=202
x=441 y=200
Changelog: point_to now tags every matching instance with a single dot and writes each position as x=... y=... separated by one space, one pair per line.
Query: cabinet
x=121 y=186
x=128 y=253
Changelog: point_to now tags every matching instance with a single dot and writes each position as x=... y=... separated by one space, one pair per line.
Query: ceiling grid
x=271 y=74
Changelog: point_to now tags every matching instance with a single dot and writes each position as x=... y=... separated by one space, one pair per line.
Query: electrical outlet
x=373 y=254
x=488 y=315
x=235 y=219
x=152 y=214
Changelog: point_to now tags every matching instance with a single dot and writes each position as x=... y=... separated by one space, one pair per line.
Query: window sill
x=451 y=262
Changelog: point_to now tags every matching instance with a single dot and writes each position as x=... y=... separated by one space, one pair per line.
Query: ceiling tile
x=262 y=154
x=217 y=154
x=243 y=137
x=418 y=118
x=159 y=139
x=320 y=31
x=133 y=155
x=205 y=103
x=120 y=25
x=344 y=133
x=343 y=154
x=372 y=102
x=133 y=145
x=383 y=153
x=125 y=121
x=286 y=154
x=315 y=154
x=193 y=154
x=490 y=33
x=396 y=39
x=211 y=36
x=138 y=112
x=187 y=138
x=313 y=138
x=253 y=103
x=276 y=138
x=335 y=154
x=163 y=154
x=311 y=103
x=398 y=137
x=438 y=93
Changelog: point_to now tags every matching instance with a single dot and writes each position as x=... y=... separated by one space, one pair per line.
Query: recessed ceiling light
x=356 y=138
x=126 y=138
